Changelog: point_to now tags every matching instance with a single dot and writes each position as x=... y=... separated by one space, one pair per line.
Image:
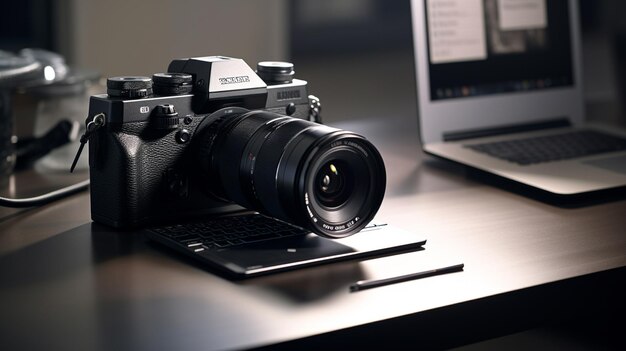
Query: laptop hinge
x=507 y=129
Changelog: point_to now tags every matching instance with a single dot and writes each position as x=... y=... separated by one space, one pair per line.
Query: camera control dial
x=275 y=72
x=129 y=87
x=166 y=84
x=165 y=117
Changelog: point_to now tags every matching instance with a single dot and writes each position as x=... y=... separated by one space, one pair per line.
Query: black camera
x=212 y=136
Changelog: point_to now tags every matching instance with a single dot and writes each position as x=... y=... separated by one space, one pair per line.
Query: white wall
x=140 y=37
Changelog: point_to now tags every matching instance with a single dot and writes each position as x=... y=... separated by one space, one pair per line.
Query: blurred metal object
x=7 y=147
x=39 y=90
x=14 y=70
x=52 y=66
x=64 y=100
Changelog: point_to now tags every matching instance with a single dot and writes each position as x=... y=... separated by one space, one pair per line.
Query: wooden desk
x=67 y=283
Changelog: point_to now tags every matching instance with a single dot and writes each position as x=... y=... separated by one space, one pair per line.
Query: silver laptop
x=500 y=89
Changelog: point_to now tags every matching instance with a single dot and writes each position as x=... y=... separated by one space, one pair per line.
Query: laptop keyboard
x=227 y=231
x=549 y=148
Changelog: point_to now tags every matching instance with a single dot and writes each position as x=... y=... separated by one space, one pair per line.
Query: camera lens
x=324 y=179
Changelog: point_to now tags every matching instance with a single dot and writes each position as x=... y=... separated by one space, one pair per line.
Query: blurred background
x=356 y=54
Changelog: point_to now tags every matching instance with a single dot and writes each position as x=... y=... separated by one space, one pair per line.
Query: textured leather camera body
x=145 y=172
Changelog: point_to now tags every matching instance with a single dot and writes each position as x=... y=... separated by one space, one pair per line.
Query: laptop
x=245 y=245
x=500 y=90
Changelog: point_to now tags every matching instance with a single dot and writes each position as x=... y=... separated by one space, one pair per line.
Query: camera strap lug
x=315 y=109
x=94 y=124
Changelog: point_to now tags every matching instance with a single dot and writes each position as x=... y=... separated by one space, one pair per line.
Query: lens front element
x=344 y=184
x=335 y=182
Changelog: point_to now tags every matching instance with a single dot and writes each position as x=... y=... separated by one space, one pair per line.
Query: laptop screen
x=486 y=47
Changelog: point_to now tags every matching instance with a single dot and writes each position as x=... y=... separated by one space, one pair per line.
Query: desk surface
x=66 y=283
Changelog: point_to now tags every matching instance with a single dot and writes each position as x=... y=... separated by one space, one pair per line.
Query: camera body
x=212 y=136
x=143 y=160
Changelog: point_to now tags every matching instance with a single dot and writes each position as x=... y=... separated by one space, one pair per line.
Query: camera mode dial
x=165 y=117
x=129 y=87
x=275 y=72
x=167 y=84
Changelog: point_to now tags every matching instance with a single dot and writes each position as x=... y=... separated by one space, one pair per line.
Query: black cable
x=29 y=150
x=45 y=198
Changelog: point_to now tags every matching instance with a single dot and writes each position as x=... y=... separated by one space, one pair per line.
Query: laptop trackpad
x=614 y=164
x=283 y=251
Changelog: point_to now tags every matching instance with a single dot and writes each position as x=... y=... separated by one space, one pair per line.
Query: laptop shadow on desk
x=557 y=200
x=563 y=201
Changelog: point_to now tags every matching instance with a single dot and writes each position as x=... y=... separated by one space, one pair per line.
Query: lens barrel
x=329 y=181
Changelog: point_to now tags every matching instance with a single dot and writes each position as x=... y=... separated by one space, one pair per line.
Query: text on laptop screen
x=483 y=47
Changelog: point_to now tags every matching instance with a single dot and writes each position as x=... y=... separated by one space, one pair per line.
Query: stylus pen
x=368 y=284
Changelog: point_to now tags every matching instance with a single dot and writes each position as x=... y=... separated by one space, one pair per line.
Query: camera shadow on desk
x=300 y=285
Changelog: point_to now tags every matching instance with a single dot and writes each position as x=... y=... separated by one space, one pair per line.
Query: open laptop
x=244 y=245
x=497 y=79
